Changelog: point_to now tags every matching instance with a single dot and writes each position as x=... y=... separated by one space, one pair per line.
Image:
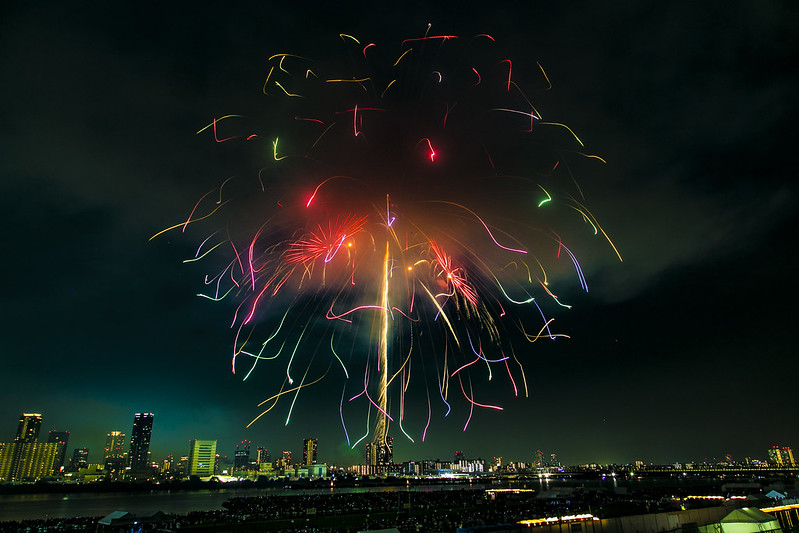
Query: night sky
x=682 y=352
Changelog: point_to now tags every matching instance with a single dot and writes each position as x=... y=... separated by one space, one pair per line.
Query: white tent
x=749 y=520
x=116 y=517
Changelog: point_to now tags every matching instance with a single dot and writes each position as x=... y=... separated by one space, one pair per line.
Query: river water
x=16 y=507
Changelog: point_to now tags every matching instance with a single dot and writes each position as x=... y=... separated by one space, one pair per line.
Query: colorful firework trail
x=399 y=237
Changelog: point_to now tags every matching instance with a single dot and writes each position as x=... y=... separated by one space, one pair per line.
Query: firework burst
x=401 y=227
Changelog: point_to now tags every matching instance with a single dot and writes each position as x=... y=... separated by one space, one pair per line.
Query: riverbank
x=18 y=507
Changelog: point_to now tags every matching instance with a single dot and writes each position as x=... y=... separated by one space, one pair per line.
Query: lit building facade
x=309 y=451
x=34 y=460
x=6 y=459
x=26 y=459
x=140 y=441
x=781 y=456
x=202 y=457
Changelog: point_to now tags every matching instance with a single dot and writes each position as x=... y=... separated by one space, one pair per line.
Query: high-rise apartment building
x=29 y=425
x=202 y=456
x=140 y=441
x=34 y=460
x=61 y=438
x=26 y=459
x=309 y=450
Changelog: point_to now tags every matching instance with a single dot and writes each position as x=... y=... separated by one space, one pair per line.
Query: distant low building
x=317 y=470
x=91 y=473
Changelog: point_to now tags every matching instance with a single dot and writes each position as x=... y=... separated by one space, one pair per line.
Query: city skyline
x=119 y=448
x=690 y=105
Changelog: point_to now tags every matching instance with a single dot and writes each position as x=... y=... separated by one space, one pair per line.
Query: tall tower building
x=61 y=438
x=538 y=459
x=202 y=457
x=140 y=441
x=263 y=455
x=285 y=460
x=241 y=459
x=29 y=425
x=380 y=453
x=309 y=449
